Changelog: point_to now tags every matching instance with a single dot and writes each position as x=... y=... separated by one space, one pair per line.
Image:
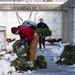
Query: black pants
x=41 y=42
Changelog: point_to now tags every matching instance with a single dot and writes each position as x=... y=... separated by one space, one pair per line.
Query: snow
x=6 y=58
x=5 y=67
x=25 y=73
x=10 y=57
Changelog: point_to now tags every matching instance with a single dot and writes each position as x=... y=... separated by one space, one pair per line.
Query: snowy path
x=52 y=69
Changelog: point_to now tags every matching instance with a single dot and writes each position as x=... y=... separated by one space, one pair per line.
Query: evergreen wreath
x=44 y=32
x=21 y=63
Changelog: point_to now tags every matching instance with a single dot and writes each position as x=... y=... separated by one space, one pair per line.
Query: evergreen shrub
x=68 y=56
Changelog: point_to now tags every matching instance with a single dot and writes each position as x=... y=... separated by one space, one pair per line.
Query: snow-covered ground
x=51 y=53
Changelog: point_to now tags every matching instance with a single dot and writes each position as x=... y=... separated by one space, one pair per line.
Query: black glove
x=22 y=42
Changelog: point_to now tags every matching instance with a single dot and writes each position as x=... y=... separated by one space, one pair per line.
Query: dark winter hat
x=41 y=19
x=13 y=30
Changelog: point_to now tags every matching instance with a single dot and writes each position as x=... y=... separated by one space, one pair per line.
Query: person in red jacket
x=31 y=37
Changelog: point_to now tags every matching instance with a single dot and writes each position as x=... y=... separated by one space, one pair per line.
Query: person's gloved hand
x=22 y=42
x=43 y=36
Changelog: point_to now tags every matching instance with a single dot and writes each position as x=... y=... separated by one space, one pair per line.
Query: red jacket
x=26 y=32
